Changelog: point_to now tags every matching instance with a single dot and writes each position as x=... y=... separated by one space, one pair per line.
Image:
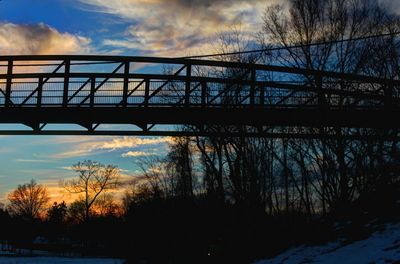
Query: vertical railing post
x=262 y=94
x=188 y=84
x=146 y=92
x=389 y=95
x=252 y=86
x=321 y=96
x=39 y=92
x=67 y=64
x=203 y=94
x=126 y=84
x=92 y=90
x=9 y=83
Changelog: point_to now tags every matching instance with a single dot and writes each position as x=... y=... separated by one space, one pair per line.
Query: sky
x=121 y=27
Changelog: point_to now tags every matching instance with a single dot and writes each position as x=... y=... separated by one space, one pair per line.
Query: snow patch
x=380 y=247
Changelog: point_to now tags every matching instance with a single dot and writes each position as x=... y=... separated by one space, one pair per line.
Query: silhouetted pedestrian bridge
x=154 y=95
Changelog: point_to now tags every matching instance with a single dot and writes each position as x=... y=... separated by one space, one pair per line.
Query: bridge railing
x=212 y=97
x=100 y=81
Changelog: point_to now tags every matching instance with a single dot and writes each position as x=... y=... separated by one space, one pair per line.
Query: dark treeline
x=239 y=199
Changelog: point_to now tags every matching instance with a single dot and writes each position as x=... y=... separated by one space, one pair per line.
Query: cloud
x=39 y=39
x=131 y=142
x=178 y=27
x=137 y=154
x=32 y=160
x=84 y=146
x=72 y=153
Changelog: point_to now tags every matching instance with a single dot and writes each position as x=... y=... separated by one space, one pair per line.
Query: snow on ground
x=380 y=247
x=56 y=260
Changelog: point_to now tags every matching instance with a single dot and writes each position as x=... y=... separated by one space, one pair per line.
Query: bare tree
x=28 y=200
x=334 y=165
x=106 y=205
x=155 y=178
x=180 y=166
x=305 y=22
x=93 y=179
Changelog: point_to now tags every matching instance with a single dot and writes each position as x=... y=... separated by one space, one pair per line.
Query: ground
x=56 y=260
x=382 y=246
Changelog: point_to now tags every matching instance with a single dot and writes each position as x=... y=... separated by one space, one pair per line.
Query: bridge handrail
x=197 y=62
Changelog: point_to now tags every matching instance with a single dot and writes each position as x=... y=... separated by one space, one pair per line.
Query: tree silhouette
x=93 y=179
x=180 y=165
x=28 y=200
x=338 y=172
x=56 y=214
x=76 y=212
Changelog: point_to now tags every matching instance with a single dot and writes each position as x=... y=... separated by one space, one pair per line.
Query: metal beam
x=254 y=116
x=9 y=78
x=202 y=133
x=197 y=62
